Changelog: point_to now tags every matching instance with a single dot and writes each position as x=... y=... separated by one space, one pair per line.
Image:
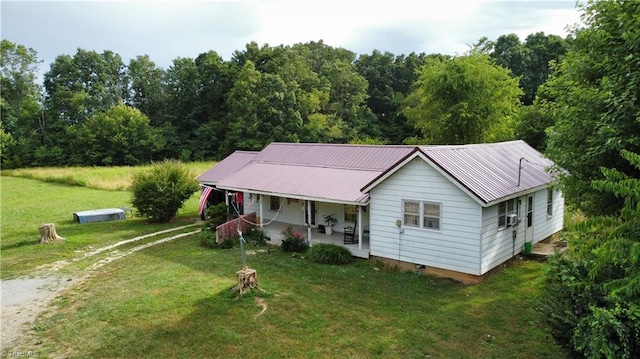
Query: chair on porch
x=350 y=235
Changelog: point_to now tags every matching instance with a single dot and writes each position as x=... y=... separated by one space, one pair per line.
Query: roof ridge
x=469 y=145
x=339 y=145
x=318 y=166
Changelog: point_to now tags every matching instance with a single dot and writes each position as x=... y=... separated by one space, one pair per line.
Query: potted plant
x=330 y=221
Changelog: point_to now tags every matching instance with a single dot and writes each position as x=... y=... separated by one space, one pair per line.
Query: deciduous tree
x=466 y=99
x=120 y=136
x=595 y=102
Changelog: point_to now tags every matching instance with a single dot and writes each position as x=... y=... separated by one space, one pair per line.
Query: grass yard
x=173 y=300
x=108 y=178
x=28 y=203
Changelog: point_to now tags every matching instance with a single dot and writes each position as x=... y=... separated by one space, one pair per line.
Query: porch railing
x=229 y=229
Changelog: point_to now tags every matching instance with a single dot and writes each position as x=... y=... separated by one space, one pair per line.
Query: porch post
x=308 y=219
x=260 y=203
x=359 y=227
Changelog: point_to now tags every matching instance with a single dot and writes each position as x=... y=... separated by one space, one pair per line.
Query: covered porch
x=359 y=249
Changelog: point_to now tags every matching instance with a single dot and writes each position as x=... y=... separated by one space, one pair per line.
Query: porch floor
x=274 y=231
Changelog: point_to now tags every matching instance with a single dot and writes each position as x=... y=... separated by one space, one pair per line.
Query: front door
x=528 y=234
x=310 y=218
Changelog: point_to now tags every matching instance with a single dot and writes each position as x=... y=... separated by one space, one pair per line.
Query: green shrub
x=229 y=243
x=326 y=253
x=207 y=238
x=293 y=241
x=591 y=298
x=256 y=236
x=216 y=215
x=159 y=192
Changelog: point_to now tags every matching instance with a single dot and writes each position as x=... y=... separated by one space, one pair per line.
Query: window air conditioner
x=512 y=219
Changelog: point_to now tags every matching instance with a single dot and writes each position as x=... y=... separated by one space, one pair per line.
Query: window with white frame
x=421 y=214
x=274 y=203
x=350 y=213
x=505 y=208
x=431 y=215
x=549 y=202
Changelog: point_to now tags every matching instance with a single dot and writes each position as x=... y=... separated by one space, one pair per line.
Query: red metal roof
x=322 y=183
x=352 y=157
x=227 y=166
x=320 y=171
x=491 y=170
x=331 y=172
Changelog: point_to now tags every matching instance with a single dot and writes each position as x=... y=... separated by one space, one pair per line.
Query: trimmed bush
x=207 y=238
x=216 y=215
x=256 y=236
x=293 y=241
x=325 y=253
x=160 y=192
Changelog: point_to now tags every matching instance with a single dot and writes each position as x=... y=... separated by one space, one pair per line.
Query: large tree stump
x=48 y=233
x=247 y=280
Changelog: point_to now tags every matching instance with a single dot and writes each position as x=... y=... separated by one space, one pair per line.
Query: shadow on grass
x=19 y=245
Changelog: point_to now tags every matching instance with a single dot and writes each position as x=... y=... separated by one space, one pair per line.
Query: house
x=456 y=211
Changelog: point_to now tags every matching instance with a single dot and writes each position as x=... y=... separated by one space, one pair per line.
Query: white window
x=505 y=208
x=431 y=217
x=411 y=214
x=274 y=203
x=421 y=214
x=549 y=202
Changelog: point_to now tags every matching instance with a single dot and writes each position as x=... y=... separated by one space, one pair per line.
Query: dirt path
x=23 y=299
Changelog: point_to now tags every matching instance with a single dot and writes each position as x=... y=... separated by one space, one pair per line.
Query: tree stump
x=247 y=280
x=48 y=233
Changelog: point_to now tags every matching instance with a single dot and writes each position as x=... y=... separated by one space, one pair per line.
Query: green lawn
x=27 y=203
x=173 y=299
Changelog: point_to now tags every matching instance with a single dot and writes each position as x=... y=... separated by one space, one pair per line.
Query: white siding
x=543 y=225
x=324 y=208
x=292 y=211
x=456 y=246
x=498 y=244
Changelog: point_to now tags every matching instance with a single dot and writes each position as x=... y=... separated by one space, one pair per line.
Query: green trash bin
x=527 y=247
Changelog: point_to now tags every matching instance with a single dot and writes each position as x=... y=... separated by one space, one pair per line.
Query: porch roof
x=325 y=184
x=227 y=166
x=324 y=172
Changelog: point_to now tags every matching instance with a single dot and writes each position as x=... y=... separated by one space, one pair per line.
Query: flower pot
x=328 y=230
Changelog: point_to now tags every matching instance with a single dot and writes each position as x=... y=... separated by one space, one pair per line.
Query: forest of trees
x=93 y=109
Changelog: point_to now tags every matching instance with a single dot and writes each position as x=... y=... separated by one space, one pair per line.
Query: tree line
x=93 y=109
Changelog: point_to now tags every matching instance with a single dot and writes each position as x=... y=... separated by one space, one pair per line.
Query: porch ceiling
x=325 y=184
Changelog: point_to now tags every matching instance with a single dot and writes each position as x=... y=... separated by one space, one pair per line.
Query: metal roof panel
x=227 y=166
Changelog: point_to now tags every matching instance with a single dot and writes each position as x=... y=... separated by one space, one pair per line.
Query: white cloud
x=166 y=30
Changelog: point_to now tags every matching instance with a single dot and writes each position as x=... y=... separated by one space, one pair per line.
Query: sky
x=166 y=30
